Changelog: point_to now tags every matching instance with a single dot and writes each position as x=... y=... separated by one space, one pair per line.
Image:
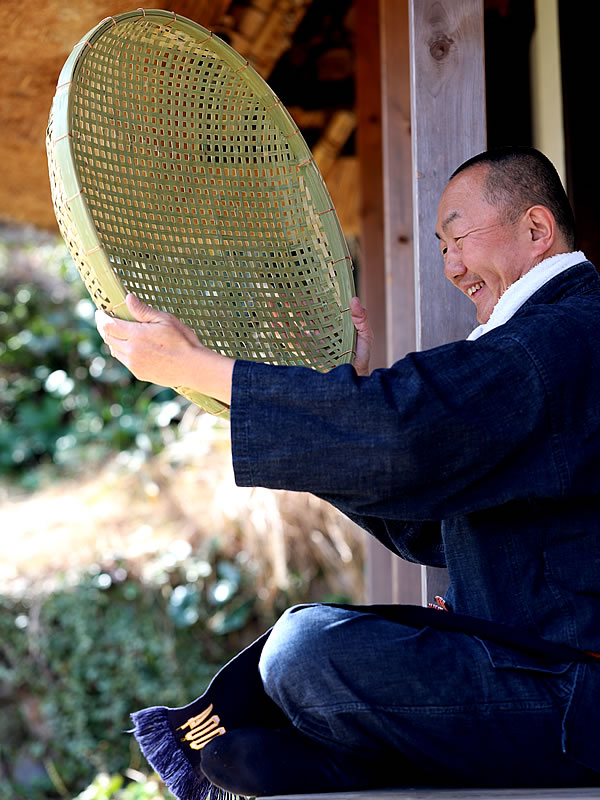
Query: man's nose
x=454 y=267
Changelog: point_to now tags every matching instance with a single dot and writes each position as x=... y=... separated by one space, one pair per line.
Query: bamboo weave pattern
x=177 y=174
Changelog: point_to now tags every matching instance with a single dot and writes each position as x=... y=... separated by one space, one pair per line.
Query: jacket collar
x=548 y=274
x=578 y=279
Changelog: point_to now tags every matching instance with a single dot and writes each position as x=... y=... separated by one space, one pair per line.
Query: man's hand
x=364 y=338
x=160 y=349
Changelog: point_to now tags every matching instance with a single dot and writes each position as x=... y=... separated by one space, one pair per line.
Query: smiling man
x=497 y=219
x=481 y=456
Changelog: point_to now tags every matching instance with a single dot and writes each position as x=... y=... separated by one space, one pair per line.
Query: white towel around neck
x=522 y=289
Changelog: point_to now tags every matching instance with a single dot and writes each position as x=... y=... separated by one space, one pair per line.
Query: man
x=479 y=455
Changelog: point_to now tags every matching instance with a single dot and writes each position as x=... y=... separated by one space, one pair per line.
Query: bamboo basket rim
x=71 y=194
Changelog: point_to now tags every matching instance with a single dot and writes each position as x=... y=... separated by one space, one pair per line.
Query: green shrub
x=113 y=787
x=64 y=402
x=76 y=662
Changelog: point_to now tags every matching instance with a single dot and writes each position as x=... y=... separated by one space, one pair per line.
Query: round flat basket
x=178 y=175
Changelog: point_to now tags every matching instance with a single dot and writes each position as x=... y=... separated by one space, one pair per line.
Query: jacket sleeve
x=419 y=542
x=443 y=432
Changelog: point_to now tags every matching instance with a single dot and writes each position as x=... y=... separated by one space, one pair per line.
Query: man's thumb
x=139 y=310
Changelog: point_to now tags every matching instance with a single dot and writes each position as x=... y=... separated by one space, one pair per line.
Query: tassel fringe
x=163 y=753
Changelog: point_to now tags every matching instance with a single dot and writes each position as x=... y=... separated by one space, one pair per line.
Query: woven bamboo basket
x=178 y=175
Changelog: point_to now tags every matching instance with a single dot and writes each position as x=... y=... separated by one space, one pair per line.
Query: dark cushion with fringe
x=172 y=739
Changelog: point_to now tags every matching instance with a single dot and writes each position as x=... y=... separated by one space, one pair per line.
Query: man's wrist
x=211 y=374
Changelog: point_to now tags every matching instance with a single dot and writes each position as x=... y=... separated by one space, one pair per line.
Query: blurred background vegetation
x=131 y=566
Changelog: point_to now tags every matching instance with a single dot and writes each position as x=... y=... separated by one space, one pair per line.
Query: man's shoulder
x=560 y=331
x=568 y=303
x=575 y=284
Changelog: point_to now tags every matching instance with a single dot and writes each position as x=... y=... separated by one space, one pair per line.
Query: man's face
x=483 y=255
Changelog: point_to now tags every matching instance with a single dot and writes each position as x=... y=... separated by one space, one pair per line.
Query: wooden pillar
x=386 y=278
x=432 y=95
x=448 y=126
x=372 y=278
x=397 y=194
x=371 y=275
x=397 y=228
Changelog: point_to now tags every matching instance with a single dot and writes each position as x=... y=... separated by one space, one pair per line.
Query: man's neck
x=522 y=289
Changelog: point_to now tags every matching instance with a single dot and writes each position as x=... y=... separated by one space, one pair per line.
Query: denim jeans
x=427 y=705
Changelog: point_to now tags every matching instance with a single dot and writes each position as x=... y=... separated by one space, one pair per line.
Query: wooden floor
x=454 y=794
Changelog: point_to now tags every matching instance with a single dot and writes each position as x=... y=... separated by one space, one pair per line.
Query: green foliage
x=111 y=787
x=76 y=662
x=64 y=402
x=77 y=658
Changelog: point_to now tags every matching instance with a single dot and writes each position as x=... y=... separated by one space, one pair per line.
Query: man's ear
x=541 y=227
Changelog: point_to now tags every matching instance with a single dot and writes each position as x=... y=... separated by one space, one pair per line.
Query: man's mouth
x=475 y=288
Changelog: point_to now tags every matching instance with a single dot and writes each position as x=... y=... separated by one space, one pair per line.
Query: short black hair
x=520 y=177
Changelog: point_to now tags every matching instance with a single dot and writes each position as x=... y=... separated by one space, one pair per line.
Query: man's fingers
x=360 y=318
x=364 y=338
x=359 y=314
x=109 y=327
x=124 y=329
x=141 y=311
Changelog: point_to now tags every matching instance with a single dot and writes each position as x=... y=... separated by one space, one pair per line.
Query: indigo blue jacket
x=482 y=456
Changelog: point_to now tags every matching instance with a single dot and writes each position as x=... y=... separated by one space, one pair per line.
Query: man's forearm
x=209 y=373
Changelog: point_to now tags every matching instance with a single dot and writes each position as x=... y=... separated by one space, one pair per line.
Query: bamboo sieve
x=178 y=175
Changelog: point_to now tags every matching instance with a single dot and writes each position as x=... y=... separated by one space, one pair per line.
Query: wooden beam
x=578 y=56
x=448 y=123
x=379 y=576
x=343 y=183
x=262 y=30
x=371 y=269
x=396 y=139
x=308 y=117
x=448 y=126
x=397 y=216
x=334 y=137
x=436 y=793
x=429 y=126
x=206 y=12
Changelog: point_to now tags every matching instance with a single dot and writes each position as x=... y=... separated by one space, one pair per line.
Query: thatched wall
x=36 y=39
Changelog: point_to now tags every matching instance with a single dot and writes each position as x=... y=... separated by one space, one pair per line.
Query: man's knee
x=294 y=654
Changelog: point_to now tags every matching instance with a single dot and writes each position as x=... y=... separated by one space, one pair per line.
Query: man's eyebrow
x=451 y=216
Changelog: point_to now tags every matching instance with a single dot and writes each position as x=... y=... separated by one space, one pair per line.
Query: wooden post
x=448 y=126
x=379 y=576
x=398 y=223
x=371 y=274
x=397 y=212
x=432 y=119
